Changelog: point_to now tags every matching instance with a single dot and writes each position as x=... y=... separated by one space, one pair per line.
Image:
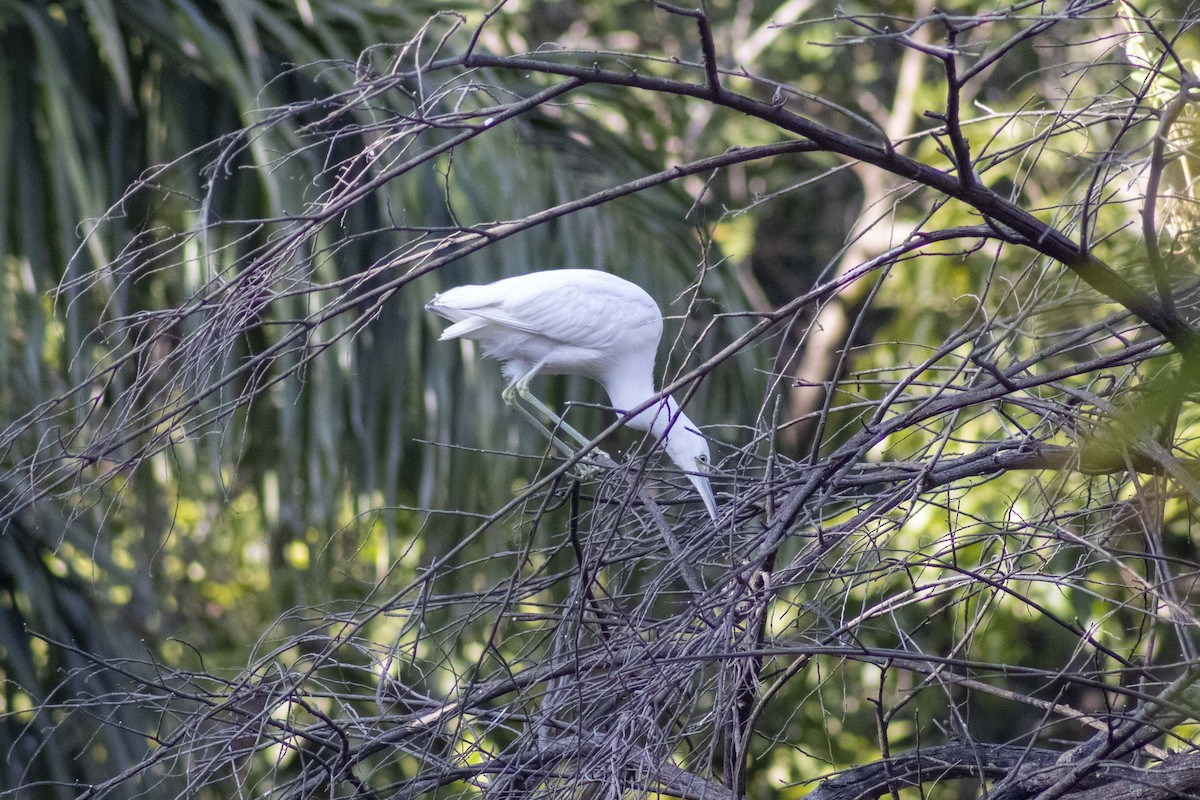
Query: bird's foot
x=591 y=464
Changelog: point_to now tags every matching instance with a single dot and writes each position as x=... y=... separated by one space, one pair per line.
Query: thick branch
x=958 y=142
x=1034 y=769
x=928 y=765
x=712 y=75
x=1034 y=233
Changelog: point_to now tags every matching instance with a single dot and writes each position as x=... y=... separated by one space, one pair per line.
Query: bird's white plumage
x=579 y=322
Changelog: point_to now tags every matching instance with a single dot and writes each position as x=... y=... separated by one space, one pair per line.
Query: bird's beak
x=700 y=480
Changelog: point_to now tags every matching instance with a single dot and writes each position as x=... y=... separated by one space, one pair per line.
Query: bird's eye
x=703 y=459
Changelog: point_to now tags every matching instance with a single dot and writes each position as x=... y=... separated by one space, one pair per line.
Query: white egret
x=578 y=322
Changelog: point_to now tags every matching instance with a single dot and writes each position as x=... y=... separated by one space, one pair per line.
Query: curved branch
x=1032 y=232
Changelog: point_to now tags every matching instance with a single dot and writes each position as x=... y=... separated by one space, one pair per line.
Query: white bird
x=578 y=322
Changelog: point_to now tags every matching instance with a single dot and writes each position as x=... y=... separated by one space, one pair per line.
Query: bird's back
x=576 y=320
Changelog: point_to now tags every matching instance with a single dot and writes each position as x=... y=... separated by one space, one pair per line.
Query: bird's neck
x=628 y=393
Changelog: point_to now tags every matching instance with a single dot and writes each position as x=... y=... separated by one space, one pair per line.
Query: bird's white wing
x=464 y=328
x=588 y=309
x=579 y=307
x=470 y=318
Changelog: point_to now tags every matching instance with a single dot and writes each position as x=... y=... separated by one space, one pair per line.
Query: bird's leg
x=583 y=468
x=562 y=446
x=519 y=390
x=560 y=424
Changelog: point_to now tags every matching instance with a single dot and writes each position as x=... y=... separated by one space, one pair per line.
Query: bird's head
x=688 y=448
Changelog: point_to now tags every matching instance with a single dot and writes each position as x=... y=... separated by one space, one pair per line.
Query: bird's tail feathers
x=464 y=328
